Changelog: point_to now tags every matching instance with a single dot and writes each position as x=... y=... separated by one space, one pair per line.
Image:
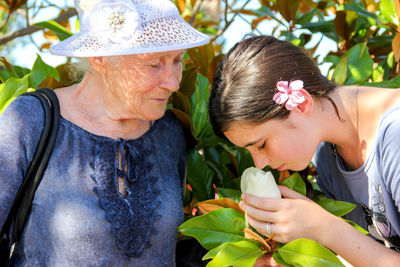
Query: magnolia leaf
x=338 y=208
x=305 y=252
x=288 y=8
x=61 y=32
x=359 y=64
x=40 y=72
x=242 y=253
x=283 y=175
x=215 y=228
x=388 y=9
x=359 y=228
x=188 y=82
x=340 y=73
x=296 y=183
x=279 y=259
x=396 y=46
x=250 y=234
x=12 y=88
x=199 y=176
x=213 y=204
x=206 y=208
x=233 y=194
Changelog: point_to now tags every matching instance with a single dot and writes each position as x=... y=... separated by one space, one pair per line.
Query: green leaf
x=12 y=88
x=61 y=32
x=199 y=176
x=242 y=253
x=359 y=228
x=215 y=228
x=359 y=64
x=393 y=83
x=388 y=10
x=361 y=11
x=14 y=72
x=305 y=252
x=41 y=71
x=338 y=208
x=327 y=28
x=201 y=127
x=340 y=73
x=279 y=259
x=233 y=194
x=296 y=183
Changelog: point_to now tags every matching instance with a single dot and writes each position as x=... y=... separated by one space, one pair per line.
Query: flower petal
x=290 y=105
x=297 y=97
x=280 y=98
x=296 y=85
x=282 y=86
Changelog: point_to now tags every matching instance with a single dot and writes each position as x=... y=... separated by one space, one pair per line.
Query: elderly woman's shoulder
x=25 y=110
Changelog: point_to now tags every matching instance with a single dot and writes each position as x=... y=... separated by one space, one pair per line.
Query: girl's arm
x=295 y=217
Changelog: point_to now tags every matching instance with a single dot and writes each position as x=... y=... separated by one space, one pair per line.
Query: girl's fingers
x=289 y=193
x=258 y=214
x=262 y=226
x=270 y=204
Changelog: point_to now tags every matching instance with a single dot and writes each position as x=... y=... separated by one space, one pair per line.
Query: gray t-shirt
x=376 y=185
x=79 y=217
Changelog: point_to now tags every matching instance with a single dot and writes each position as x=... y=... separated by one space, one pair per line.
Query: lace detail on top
x=133 y=216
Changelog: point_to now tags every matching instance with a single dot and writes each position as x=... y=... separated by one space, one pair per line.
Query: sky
x=25 y=55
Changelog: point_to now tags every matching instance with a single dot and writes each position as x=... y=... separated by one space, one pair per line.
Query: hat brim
x=165 y=34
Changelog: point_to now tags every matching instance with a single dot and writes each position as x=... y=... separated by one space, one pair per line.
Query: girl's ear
x=98 y=64
x=308 y=105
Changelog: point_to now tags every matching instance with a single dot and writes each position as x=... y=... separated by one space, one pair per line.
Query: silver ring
x=269 y=228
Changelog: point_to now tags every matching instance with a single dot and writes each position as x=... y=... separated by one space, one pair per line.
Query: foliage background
x=366 y=33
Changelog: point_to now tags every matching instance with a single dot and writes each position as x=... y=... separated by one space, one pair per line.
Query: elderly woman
x=112 y=191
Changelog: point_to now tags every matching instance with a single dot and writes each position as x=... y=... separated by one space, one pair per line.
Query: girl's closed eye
x=262 y=146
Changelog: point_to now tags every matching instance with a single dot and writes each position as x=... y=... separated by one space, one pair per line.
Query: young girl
x=270 y=97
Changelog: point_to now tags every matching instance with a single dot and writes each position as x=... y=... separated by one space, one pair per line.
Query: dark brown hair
x=246 y=79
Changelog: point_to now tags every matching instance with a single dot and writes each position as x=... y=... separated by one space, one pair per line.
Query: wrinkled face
x=143 y=82
x=280 y=144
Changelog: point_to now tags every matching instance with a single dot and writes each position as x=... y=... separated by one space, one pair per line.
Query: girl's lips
x=281 y=168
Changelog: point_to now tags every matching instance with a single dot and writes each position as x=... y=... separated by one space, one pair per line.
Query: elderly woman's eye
x=155 y=66
x=178 y=61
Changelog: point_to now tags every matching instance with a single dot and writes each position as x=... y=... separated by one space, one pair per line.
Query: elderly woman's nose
x=171 y=79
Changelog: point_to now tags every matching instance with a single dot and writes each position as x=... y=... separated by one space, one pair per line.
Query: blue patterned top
x=79 y=217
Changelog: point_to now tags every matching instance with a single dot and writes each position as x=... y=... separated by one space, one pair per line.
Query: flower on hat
x=116 y=22
x=87 y=5
x=289 y=93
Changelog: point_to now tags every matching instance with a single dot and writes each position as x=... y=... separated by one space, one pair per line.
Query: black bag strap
x=16 y=220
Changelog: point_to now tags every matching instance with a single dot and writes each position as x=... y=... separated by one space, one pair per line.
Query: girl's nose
x=260 y=160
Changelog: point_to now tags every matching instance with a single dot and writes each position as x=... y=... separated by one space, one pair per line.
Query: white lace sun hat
x=124 y=27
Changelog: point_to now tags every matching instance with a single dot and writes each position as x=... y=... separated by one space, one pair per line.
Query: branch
x=228 y=23
x=31 y=29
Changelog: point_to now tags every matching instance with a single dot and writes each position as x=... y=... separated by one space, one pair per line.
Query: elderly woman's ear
x=98 y=64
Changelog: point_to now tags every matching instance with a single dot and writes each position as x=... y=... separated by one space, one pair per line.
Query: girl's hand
x=295 y=216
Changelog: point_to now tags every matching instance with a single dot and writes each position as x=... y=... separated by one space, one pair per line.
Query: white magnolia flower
x=116 y=22
x=259 y=183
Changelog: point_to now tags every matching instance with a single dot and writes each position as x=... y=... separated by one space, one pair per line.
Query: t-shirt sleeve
x=21 y=125
x=389 y=152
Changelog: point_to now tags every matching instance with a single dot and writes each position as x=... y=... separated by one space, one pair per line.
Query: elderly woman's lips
x=161 y=100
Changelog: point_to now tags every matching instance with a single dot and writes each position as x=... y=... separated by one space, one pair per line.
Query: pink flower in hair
x=289 y=93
